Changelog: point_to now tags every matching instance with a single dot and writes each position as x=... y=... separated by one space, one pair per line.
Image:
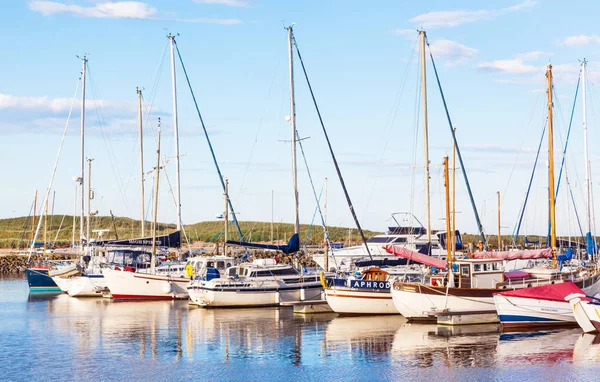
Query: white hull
x=354 y=302
x=209 y=297
x=62 y=282
x=144 y=286
x=518 y=312
x=87 y=286
x=587 y=315
x=414 y=305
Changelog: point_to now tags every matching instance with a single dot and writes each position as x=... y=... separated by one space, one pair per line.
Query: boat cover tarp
x=415 y=256
x=553 y=292
x=172 y=240
x=515 y=255
x=292 y=246
x=516 y=275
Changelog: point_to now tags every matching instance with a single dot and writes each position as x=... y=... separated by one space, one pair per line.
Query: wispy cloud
x=452 y=52
x=517 y=65
x=119 y=10
x=112 y=10
x=59 y=105
x=581 y=40
x=455 y=18
x=229 y=3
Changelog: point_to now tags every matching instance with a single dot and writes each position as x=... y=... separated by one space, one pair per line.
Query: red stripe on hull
x=143 y=297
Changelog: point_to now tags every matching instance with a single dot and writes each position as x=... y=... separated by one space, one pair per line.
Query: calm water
x=55 y=337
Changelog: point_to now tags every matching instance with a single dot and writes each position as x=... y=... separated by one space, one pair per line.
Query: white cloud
x=454 y=18
x=452 y=52
x=581 y=40
x=121 y=10
x=229 y=3
x=518 y=64
x=531 y=56
x=113 y=10
x=61 y=105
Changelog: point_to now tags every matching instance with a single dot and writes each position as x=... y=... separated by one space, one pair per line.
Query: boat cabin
x=261 y=268
x=200 y=264
x=478 y=273
x=375 y=274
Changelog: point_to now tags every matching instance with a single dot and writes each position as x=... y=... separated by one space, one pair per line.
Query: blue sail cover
x=292 y=246
x=592 y=247
x=172 y=240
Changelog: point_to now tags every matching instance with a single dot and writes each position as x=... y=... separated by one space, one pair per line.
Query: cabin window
x=232 y=272
x=220 y=264
x=487 y=267
x=228 y=265
x=464 y=270
x=496 y=266
x=400 y=240
x=211 y=264
x=477 y=267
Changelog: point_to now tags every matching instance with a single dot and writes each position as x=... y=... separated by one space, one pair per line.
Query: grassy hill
x=18 y=231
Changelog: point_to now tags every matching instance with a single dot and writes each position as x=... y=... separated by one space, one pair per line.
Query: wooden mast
x=551 y=198
x=447 y=187
x=153 y=258
x=425 y=133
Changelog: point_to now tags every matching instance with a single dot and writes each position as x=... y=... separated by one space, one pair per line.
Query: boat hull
x=125 y=285
x=521 y=313
x=587 y=315
x=346 y=301
x=413 y=301
x=207 y=296
x=87 y=286
x=40 y=281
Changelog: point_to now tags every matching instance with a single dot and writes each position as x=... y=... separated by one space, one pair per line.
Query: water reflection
x=92 y=338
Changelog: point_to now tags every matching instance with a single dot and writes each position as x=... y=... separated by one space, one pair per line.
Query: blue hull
x=39 y=281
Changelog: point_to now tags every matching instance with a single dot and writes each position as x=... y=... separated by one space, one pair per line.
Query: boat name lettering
x=369 y=284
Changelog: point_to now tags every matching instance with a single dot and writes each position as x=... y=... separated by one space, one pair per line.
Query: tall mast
x=226 y=216
x=139 y=96
x=82 y=201
x=293 y=123
x=454 y=196
x=588 y=193
x=447 y=187
x=89 y=198
x=425 y=132
x=551 y=163
x=176 y=131
x=157 y=174
x=325 y=230
x=499 y=236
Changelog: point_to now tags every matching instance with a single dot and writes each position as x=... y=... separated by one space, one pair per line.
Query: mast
x=585 y=149
x=82 y=201
x=226 y=216
x=293 y=124
x=325 y=231
x=499 y=237
x=139 y=96
x=454 y=196
x=176 y=131
x=153 y=258
x=551 y=165
x=33 y=223
x=89 y=198
x=425 y=132
x=46 y=228
x=447 y=187
x=74 y=216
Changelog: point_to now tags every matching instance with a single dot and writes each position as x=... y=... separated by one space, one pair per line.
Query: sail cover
x=554 y=292
x=292 y=246
x=415 y=256
x=515 y=255
x=172 y=240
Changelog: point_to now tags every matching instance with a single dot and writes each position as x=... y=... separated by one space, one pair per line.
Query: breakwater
x=17 y=263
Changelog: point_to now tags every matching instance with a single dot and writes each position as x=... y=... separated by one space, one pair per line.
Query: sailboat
x=264 y=282
x=478 y=279
x=547 y=305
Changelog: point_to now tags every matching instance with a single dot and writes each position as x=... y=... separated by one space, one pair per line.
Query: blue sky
x=363 y=65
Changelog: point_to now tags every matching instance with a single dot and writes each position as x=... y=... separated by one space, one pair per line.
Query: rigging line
x=520 y=148
x=390 y=122
x=47 y=193
x=260 y=123
x=537 y=156
x=235 y=220
x=567 y=139
x=458 y=154
x=106 y=141
x=574 y=206
x=317 y=208
x=337 y=167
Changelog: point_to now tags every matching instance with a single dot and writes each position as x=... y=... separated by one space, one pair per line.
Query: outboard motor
x=212 y=273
